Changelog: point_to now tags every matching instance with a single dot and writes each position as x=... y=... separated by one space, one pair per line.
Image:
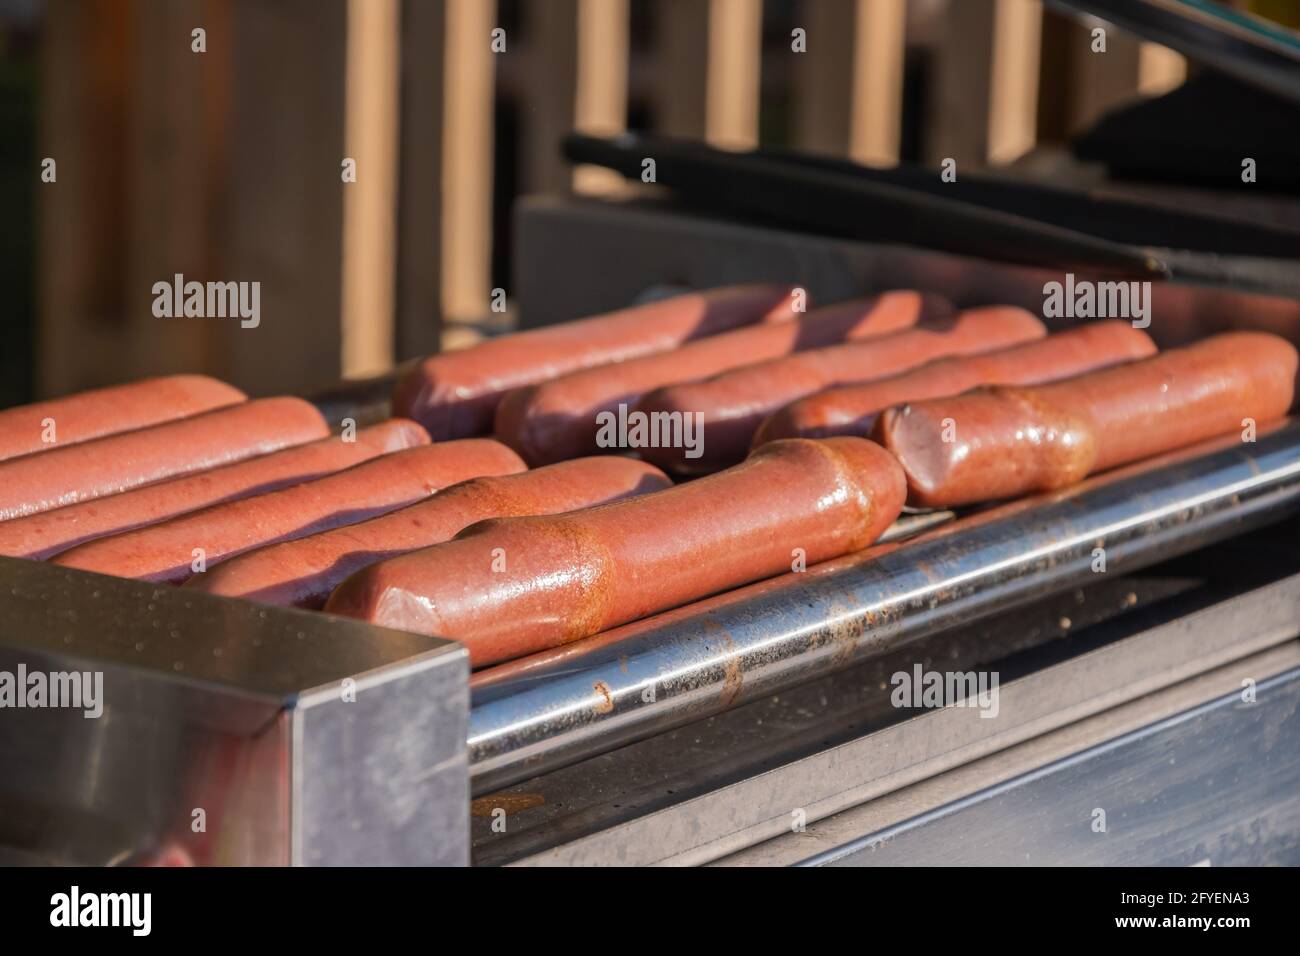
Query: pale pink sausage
x=512 y=586
x=116 y=463
x=49 y=532
x=455 y=394
x=728 y=408
x=576 y=414
x=106 y=411
x=852 y=409
x=304 y=572
x=166 y=552
x=1001 y=441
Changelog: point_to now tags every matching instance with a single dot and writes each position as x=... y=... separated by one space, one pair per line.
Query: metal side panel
x=1218 y=784
x=832 y=836
x=381 y=774
x=216 y=731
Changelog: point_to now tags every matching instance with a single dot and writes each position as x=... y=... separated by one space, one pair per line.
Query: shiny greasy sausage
x=512 y=586
x=852 y=409
x=304 y=572
x=59 y=422
x=551 y=658
x=49 y=532
x=998 y=442
x=117 y=463
x=173 y=550
x=730 y=407
x=455 y=394
x=572 y=416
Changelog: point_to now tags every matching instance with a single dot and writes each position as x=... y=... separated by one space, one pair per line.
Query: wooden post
x=285 y=201
x=957 y=125
x=1078 y=85
x=879 y=42
x=735 y=48
x=601 y=102
x=369 y=203
x=168 y=226
x=467 y=155
x=81 y=260
x=1013 y=94
x=862 y=41
x=1160 y=69
x=1100 y=80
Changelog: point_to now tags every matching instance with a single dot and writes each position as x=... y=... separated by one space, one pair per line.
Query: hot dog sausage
x=166 y=552
x=1008 y=441
x=852 y=409
x=455 y=394
x=304 y=572
x=49 y=532
x=572 y=416
x=510 y=586
x=730 y=407
x=115 y=463
x=106 y=411
x=548 y=660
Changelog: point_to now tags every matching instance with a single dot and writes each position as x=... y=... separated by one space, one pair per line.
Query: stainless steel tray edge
x=225 y=732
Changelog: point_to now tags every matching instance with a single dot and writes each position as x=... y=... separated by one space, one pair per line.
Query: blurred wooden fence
x=226 y=164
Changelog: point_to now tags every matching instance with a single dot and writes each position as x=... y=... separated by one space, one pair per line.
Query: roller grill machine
x=1145 y=712
x=757 y=728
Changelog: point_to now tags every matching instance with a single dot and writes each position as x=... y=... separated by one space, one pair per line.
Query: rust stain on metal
x=508 y=802
x=843 y=629
x=606 y=703
x=733 y=677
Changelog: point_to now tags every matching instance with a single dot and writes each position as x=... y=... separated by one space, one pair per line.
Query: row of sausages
x=424 y=522
x=967 y=407
x=977 y=405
